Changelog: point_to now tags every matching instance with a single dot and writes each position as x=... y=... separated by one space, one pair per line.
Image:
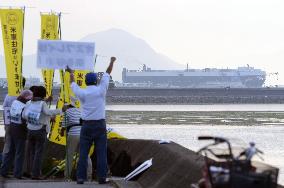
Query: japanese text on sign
x=55 y=54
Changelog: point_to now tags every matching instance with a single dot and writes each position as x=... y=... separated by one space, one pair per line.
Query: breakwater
x=189 y=96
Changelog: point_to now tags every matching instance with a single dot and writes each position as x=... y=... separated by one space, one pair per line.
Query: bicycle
x=225 y=170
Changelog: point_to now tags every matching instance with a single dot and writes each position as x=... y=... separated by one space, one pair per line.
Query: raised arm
x=79 y=92
x=109 y=69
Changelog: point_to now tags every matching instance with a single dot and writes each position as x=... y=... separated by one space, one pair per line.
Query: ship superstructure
x=242 y=77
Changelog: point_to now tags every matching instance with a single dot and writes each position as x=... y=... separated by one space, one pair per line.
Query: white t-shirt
x=16 y=112
x=44 y=117
x=92 y=99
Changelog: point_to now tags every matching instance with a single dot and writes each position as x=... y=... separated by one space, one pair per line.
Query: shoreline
x=136 y=96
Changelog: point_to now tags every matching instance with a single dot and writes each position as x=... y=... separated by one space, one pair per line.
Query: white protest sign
x=57 y=54
x=139 y=169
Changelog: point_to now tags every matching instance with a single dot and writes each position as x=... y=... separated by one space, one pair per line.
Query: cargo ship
x=242 y=77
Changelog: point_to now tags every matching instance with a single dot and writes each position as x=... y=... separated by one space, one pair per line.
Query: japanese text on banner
x=12 y=23
x=49 y=31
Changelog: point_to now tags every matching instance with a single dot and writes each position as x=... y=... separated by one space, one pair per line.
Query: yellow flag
x=79 y=76
x=54 y=135
x=49 y=31
x=65 y=94
x=79 y=79
x=12 y=23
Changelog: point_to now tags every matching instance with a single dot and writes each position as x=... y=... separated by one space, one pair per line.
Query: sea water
x=201 y=107
x=269 y=137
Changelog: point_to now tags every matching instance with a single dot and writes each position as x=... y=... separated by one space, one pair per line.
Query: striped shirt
x=73 y=116
x=75 y=130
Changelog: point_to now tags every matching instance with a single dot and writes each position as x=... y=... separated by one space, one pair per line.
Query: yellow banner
x=12 y=23
x=49 y=31
x=79 y=79
x=65 y=94
x=54 y=135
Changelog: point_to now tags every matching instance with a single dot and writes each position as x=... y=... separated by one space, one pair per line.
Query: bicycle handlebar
x=216 y=139
x=205 y=138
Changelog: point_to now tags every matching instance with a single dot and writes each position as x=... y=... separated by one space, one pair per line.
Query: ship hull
x=196 y=81
x=195 y=78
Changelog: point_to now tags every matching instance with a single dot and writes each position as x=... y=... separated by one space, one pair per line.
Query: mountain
x=131 y=52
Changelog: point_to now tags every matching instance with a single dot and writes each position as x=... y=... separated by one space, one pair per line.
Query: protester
x=38 y=117
x=92 y=100
x=6 y=116
x=72 y=126
x=18 y=133
x=27 y=166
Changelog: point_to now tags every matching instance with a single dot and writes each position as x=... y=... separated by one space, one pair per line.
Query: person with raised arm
x=92 y=99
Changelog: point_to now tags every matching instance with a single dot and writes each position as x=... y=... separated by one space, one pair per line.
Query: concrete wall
x=173 y=165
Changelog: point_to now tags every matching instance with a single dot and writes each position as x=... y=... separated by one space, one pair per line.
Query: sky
x=203 y=33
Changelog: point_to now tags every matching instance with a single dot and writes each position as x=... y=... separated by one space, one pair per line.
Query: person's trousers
x=27 y=166
x=36 y=140
x=7 y=141
x=71 y=148
x=93 y=132
x=17 y=152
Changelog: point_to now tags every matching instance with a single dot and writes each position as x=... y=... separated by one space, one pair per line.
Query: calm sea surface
x=269 y=137
x=213 y=107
